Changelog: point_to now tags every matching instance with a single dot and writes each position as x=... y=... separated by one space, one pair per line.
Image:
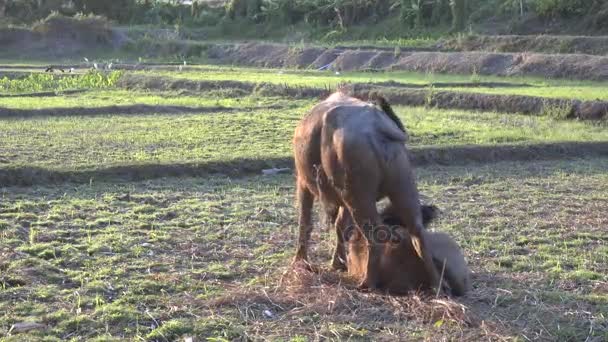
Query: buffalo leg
x=305 y=201
x=339 y=259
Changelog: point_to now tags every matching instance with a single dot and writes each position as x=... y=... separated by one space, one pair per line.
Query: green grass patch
x=107 y=97
x=77 y=142
x=583 y=90
x=36 y=82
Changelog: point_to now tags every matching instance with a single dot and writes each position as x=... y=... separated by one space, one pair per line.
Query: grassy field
x=104 y=98
x=532 y=86
x=81 y=140
x=583 y=90
x=170 y=258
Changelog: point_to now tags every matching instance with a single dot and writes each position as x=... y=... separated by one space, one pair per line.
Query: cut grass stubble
x=205 y=257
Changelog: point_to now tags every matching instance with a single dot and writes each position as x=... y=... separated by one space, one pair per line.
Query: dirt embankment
x=59 y=36
x=583 y=67
x=394 y=92
x=234 y=88
x=590 y=45
x=531 y=105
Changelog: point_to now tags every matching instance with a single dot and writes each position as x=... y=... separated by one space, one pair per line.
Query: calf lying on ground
x=401 y=270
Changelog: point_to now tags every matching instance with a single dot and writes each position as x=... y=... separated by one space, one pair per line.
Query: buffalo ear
x=429 y=213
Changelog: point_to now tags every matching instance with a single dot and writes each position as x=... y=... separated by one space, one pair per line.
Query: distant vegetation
x=329 y=16
x=43 y=82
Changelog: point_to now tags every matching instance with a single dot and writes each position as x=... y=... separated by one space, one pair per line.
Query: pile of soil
x=583 y=67
x=59 y=36
x=590 y=45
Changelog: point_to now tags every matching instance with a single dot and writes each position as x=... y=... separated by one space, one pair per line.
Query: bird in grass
x=110 y=66
x=95 y=66
x=52 y=69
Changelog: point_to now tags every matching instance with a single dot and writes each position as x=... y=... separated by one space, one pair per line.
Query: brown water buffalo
x=401 y=270
x=349 y=154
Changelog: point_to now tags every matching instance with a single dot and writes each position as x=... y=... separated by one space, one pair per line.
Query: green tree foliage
x=120 y=10
x=2 y=8
x=335 y=14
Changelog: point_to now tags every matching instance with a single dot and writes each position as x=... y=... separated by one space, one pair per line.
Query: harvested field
x=138 y=210
x=174 y=258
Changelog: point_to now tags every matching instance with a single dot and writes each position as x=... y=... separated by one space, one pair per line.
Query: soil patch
x=591 y=45
x=137 y=109
x=46 y=93
x=59 y=36
x=420 y=156
x=584 y=67
x=263 y=88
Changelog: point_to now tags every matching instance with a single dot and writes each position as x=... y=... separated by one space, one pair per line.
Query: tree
x=2 y=8
x=459 y=14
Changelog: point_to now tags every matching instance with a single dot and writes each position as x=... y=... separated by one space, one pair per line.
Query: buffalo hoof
x=304 y=265
x=367 y=285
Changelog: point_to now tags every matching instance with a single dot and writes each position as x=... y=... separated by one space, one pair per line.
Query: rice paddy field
x=142 y=213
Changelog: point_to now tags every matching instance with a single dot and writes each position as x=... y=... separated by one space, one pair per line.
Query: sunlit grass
x=68 y=142
x=101 y=98
x=584 y=90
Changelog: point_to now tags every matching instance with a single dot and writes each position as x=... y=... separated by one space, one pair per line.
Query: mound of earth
x=59 y=36
x=573 y=66
x=591 y=45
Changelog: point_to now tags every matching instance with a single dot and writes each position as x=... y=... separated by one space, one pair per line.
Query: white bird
x=86 y=60
x=180 y=68
x=71 y=70
x=95 y=66
x=110 y=66
x=337 y=73
x=184 y=62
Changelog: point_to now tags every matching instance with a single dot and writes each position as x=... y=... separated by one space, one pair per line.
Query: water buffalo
x=401 y=270
x=349 y=154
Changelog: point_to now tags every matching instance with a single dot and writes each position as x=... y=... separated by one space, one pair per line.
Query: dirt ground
x=590 y=45
x=573 y=66
x=59 y=37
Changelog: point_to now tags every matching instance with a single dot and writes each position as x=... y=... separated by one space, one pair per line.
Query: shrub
x=564 y=8
x=48 y=82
